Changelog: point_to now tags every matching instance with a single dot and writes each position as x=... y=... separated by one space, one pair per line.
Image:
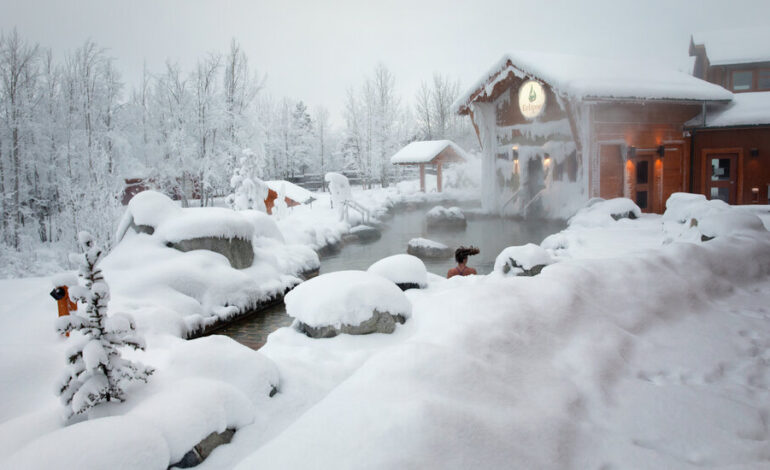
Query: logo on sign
x=531 y=99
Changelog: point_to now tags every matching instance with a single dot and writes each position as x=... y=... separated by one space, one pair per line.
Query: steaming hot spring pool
x=490 y=234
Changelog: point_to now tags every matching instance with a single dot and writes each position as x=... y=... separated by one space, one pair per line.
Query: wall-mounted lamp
x=631 y=152
x=661 y=151
x=754 y=152
x=547 y=160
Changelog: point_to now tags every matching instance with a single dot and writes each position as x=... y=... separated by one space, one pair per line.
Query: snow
x=424 y=151
x=205 y=222
x=345 y=298
x=526 y=256
x=443 y=213
x=426 y=243
x=746 y=109
x=598 y=212
x=151 y=208
x=586 y=78
x=735 y=46
x=683 y=207
x=631 y=347
x=292 y=191
x=729 y=222
x=401 y=269
x=118 y=442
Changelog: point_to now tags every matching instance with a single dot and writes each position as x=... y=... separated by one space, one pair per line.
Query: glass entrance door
x=721 y=183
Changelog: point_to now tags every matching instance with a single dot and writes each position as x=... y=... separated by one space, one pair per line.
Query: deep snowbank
x=543 y=372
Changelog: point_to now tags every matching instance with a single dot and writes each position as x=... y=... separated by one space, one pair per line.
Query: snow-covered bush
x=249 y=192
x=598 y=212
x=526 y=260
x=96 y=370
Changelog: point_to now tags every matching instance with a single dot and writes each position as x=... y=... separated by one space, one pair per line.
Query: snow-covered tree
x=249 y=191
x=96 y=372
x=301 y=140
x=374 y=127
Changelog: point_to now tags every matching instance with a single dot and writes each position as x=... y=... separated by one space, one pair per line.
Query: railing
x=351 y=204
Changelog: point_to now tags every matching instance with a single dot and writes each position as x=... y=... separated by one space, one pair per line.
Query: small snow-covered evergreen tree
x=249 y=192
x=96 y=371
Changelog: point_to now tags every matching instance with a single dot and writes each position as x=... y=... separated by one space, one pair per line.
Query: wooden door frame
x=738 y=177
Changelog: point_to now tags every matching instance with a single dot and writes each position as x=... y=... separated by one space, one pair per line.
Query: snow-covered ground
x=640 y=347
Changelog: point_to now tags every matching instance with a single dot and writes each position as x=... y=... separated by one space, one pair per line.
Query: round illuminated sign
x=531 y=99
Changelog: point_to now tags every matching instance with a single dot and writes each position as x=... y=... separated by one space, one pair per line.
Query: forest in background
x=72 y=132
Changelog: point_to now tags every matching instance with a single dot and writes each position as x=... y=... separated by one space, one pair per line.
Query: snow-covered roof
x=735 y=46
x=588 y=77
x=746 y=109
x=424 y=151
x=294 y=192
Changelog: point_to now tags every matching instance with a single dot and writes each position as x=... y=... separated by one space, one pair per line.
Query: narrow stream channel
x=490 y=234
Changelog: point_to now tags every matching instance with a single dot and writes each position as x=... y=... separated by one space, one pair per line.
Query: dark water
x=490 y=234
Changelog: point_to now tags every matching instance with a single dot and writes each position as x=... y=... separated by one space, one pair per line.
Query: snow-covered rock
x=598 y=212
x=726 y=223
x=440 y=216
x=526 y=260
x=200 y=266
x=365 y=233
x=406 y=271
x=351 y=302
x=425 y=248
x=693 y=218
x=683 y=207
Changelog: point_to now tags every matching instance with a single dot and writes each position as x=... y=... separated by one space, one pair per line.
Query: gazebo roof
x=427 y=151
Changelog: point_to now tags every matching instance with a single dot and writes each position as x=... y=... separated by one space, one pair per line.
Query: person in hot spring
x=461 y=256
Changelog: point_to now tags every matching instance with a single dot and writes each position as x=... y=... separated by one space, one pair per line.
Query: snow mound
x=203 y=222
x=526 y=260
x=683 y=207
x=152 y=208
x=119 y=442
x=598 y=213
x=345 y=298
x=401 y=269
x=729 y=222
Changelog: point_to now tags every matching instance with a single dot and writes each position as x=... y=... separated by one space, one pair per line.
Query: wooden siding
x=611 y=168
x=753 y=172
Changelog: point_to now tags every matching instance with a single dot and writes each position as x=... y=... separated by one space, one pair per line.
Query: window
x=764 y=79
x=641 y=172
x=742 y=80
x=720 y=169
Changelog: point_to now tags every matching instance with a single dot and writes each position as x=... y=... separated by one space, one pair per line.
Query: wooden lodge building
x=558 y=130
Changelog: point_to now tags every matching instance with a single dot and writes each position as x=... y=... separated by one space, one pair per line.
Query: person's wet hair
x=462 y=253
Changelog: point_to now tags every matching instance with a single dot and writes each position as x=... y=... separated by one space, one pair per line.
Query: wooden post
x=438 y=176
x=422 y=177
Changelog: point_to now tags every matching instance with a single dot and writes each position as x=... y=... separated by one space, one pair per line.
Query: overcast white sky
x=314 y=50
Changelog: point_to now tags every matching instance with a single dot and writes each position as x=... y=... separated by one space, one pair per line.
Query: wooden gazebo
x=429 y=152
